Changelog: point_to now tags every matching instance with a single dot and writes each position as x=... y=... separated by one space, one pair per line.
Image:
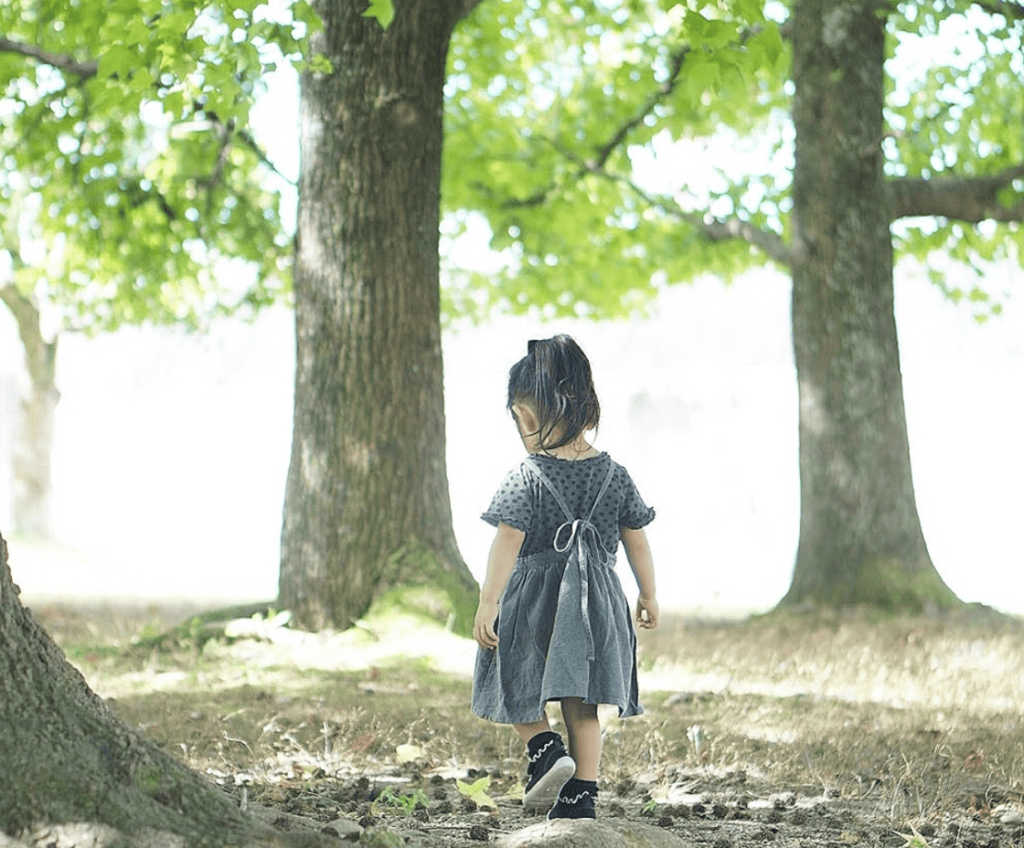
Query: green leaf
x=477 y=791
x=174 y=103
x=382 y=10
x=116 y=61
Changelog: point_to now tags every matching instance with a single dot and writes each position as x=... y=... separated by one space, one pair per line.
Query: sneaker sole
x=545 y=792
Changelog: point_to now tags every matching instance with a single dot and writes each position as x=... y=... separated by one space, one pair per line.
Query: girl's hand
x=483 y=625
x=647 y=612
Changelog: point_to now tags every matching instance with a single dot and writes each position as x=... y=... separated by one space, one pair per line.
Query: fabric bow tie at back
x=588 y=548
x=588 y=543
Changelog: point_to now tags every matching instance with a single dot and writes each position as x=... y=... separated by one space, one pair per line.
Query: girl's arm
x=638 y=552
x=500 y=562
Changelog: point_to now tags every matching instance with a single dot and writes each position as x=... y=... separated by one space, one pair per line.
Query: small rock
x=588 y=833
x=781 y=800
x=345 y=828
x=381 y=837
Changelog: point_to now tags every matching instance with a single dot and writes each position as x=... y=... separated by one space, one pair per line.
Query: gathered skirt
x=562 y=633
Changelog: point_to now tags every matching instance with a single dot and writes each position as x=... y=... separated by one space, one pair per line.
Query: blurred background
x=171 y=449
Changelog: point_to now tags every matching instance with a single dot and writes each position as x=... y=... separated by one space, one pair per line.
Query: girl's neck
x=577 y=450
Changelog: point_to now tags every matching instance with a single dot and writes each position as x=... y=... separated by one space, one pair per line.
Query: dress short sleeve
x=633 y=512
x=513 y=502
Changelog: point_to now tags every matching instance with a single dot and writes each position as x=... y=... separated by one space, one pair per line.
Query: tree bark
x=66 y=758
x=33 y=436
x=860 y=534
x=366 y=504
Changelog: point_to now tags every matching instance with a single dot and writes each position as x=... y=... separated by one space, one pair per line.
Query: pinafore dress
x=564 y=627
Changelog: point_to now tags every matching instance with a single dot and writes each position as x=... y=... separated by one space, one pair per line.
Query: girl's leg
x=576 y=798
x=584 y=732
x=528 y=731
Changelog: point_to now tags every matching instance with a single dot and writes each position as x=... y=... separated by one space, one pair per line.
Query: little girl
x=564 y=631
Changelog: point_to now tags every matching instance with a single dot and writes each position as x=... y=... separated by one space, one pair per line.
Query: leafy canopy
x=956 y=112
x=559 y=115
x=615 y=147
x=128 y=174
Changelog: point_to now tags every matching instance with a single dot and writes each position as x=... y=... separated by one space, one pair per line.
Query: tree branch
x=604 y=151
x=40 y=354
x=212 y=181
x=132 y=189
x=659 y=94
x=249 y=141
x=83 y=70
x=971 y=199
x=764 y=240
x=714 y=229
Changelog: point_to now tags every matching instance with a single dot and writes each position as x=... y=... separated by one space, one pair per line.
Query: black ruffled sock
x=576 y=800
x=541 y=739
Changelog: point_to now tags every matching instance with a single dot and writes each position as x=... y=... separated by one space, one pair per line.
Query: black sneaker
x=550 y=767
x=575 y=800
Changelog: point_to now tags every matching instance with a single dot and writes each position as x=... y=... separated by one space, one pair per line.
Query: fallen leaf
x=409 y=753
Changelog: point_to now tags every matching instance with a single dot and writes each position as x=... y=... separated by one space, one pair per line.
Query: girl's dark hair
x=555 y=379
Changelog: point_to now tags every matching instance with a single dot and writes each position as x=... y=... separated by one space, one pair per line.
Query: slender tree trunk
x=366 y=503
x=860 y=535
x=65 y=757
x=33 y=435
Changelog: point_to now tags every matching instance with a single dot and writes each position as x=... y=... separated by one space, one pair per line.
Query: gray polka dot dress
x=564 y=626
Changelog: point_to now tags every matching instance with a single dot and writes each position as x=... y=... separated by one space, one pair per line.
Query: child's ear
x=526 y=417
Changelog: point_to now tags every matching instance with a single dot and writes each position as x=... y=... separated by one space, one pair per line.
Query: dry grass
x=906 y=720
x=914 y=715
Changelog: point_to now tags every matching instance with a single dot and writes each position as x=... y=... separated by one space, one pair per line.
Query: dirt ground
x=849 y=730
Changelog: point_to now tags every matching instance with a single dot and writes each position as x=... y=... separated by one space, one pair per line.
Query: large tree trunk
x=366 y=503
x=860 y=535
x=66 y=759
x=33 y=435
